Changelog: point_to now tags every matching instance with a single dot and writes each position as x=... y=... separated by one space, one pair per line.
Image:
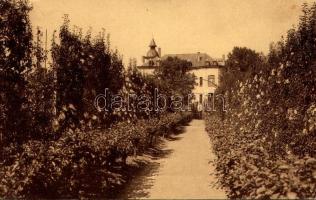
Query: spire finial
x=152 y=43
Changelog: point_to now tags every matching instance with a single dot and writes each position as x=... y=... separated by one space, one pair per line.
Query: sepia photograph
x=157 y=99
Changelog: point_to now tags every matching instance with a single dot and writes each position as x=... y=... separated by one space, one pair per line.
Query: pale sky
x=178 y=26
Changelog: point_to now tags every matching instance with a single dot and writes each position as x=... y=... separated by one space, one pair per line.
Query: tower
x=152 y=57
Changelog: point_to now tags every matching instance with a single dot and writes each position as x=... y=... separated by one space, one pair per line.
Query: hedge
x=247 y=170
x=80 y=164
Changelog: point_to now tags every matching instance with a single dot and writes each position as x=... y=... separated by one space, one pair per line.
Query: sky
x=178 y=26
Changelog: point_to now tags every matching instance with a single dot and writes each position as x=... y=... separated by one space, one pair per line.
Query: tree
x=68 y=60
x=40 y=92
x=15 y=61
x=243 y=59
x=103 y=69
x=241 y=64
x=85 y=68
x=175 y=77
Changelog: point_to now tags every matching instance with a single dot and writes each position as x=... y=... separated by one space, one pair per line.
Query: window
x=201 y=98
x=196 y=83
x=201 y=81
x=210 y=98
x=211 y=80
x=151 y=63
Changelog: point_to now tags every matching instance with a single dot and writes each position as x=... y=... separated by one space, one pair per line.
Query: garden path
x=184 y=172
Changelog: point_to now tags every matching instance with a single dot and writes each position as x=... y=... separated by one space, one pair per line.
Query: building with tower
x=206 y=69
x=152 y=59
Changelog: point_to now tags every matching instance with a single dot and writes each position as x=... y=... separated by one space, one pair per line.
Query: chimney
x=199 y=58
x=223 y=57
x=159 y=52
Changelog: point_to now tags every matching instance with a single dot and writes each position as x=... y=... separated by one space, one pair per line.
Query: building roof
x=152 y=53
x=197 y=59
x=152 y=43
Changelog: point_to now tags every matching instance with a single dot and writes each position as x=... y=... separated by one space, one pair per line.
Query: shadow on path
x=141 y=170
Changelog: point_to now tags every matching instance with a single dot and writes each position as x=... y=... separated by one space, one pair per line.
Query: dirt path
x=182 y=172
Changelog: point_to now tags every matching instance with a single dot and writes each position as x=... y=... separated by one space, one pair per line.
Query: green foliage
x=40 y=93
x=15 y=61
x=173 y=74
x=243 y=59
x=266 y=142
x=81 y=164
x=85 y=68
x=75 y=152
x=143 y=85
x=241 y=64
x=248 y=169
x=68 y=60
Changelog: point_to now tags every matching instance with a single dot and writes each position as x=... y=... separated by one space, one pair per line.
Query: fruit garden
x=55 y=143
x=266 y=141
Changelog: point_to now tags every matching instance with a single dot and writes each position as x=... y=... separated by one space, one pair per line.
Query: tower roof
x=152 y=53
x=152 y=43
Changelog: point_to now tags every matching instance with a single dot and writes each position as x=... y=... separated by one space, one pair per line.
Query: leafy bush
x=174 y=75
x=40 y=93
x=15 y=61
x=247 y=169
x=85 y=67
x=266 y=142
x=56 y=143
x=80 y=163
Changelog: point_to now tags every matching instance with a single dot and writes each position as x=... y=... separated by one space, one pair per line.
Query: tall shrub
x=40 y=92
x=15 y=61
x=85 y=67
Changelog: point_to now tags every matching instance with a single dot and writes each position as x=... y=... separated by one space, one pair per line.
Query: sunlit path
x=186 y=172
x=181 y=171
